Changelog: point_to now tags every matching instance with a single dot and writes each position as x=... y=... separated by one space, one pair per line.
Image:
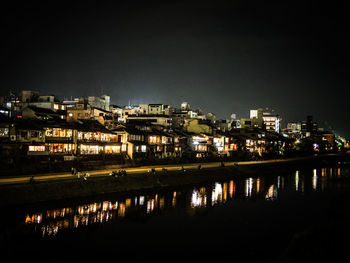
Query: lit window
x=36 y=148
x=4 y=132
x=153 y=139
x=49 y=133
x=124 y=147
x=112 y=149
x=69 y=133
x=89 y=149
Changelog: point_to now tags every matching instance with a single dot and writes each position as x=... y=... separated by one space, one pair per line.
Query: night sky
x=220 y=56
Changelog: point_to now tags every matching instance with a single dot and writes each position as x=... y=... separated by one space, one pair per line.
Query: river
x=277 y=217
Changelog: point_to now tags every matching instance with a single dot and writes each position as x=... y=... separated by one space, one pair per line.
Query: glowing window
x=36 y=148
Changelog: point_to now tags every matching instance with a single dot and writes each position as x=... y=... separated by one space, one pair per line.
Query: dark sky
x=221 y=56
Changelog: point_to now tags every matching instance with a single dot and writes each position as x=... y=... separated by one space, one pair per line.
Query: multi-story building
x=93 y=139
x=158 y=109
x=86 y=112
x=255 y=120
x=223 y=125
x=261 y=119
x=271 y=121
x=102 y=102
x=200 y=144
x=31 y=112
x=83 y=138
x=309 y=127
x=201 y=126
x=160 y=119
x=117 y=113
x=132 y=110
x=28 y=98
x=293 y=130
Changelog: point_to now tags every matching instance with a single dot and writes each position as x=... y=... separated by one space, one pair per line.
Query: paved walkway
x=136 y=170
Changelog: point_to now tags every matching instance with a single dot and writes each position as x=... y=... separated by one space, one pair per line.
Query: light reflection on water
x=51 y=221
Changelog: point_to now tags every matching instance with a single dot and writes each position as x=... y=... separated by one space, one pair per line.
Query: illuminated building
x=89 y=113
x=293 y=130
x=271 y=122
x=256 y=117
x=28 y=98
x=199 y=144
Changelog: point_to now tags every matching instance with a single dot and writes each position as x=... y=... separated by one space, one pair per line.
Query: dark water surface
x=289 y=217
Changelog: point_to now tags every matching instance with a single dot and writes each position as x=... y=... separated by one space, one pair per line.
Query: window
x=109 y=149
x=49 y=133
x=69 y=133
x=200 y=148
x=61 y=148
x=164 y=140
x=124 y=147
x=4 y=132
x=152 y=139
x=89 y=149
x=143 y=148
x=36 y=148
x=62 y=133
x=87 y=135
x=56 y=132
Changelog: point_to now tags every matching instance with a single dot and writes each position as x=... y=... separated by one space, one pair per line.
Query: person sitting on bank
x=31 y=180
x=86 y=175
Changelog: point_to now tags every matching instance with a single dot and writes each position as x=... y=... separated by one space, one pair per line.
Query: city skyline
x=105 y=103
x=220 y=56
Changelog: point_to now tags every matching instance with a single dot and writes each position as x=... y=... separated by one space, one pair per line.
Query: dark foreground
x=287 y=215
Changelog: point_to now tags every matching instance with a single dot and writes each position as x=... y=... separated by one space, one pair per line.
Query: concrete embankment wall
x=21 y=194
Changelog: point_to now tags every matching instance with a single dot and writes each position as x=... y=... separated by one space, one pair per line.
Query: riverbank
x=41 y=191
